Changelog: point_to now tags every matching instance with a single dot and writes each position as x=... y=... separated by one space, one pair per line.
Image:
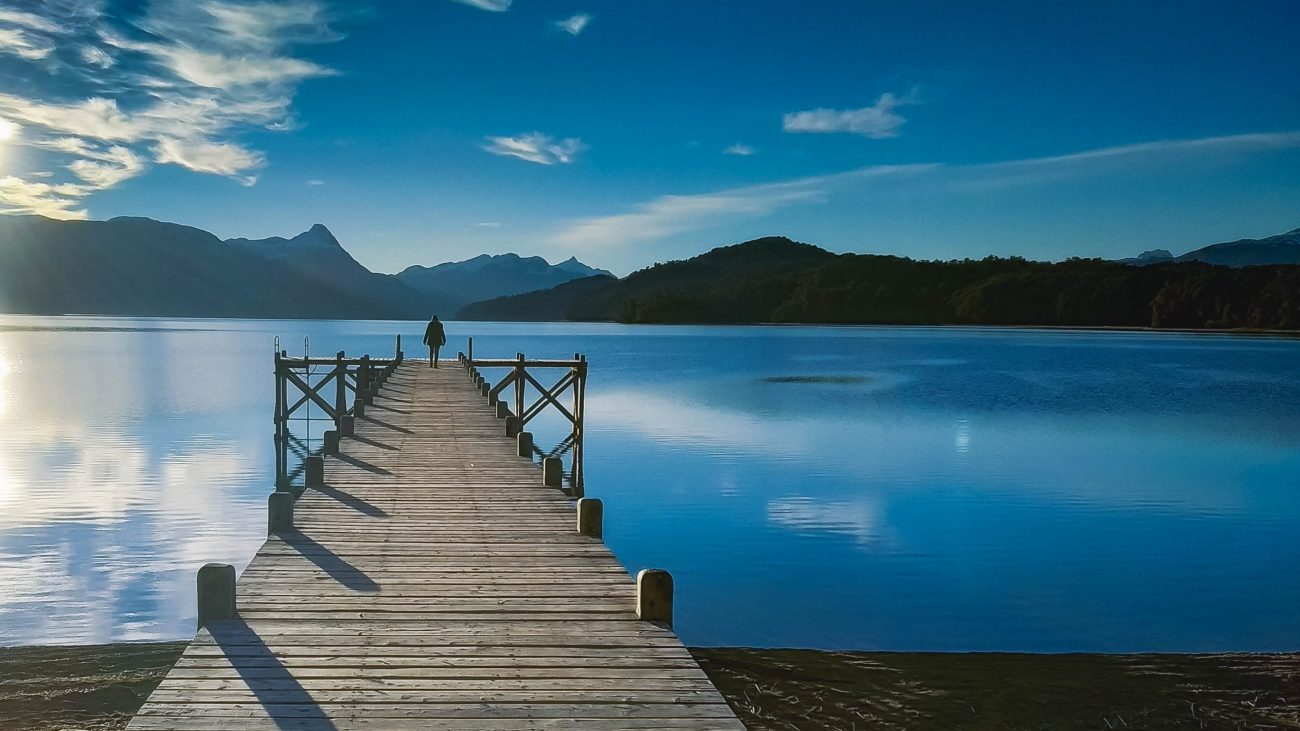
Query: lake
x=830 y=487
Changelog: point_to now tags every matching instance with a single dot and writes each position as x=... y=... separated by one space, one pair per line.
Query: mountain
x=547 y=305
x=740 y=283
x=487 y=277
x=317 y=255
x=142 y=267
x=778 y=280
x=1279 y=249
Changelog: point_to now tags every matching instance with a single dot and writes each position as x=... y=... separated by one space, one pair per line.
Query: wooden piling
x=654 y=596
x=552 y=472
x=216 y=585
x=524 y=444
x=314 y=470
x=331 y=442
x=591 y=517
x=279 y=512
x=503 y=409
x=347 y=425
x=513 y=426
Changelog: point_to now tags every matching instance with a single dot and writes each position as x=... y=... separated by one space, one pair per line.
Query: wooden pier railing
x=427 y=577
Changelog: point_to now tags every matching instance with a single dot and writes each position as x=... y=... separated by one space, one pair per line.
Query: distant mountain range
x=778 y=280
x=1279 y=249
x=138 y=266
x=142 y=267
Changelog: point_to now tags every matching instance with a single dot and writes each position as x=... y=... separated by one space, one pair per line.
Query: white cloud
x=173 y=86
x=878 y=121
x=536 y=147
x=496 y=6
x=673 y=214
x=489 y=224
x=739 y=149
x=315 y=183
x=23 y=45
x=574 y=24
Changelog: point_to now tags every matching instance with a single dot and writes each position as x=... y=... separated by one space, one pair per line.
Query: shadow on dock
x=362 y=464
x=331 y=563
x=287 y=703
x=350 y=500
x=386 y=425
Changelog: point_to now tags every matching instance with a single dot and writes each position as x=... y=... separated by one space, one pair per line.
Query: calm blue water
x=944 y=489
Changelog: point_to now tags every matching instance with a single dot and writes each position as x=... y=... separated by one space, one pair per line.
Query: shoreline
x=99 y=687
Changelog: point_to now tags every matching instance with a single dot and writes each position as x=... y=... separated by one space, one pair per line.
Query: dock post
x=524 y=444
x=654 y=597
x=347 y=425
x=397 y=356
x=519 y=384
x=216 y=584
x=369 y=394
x=331 y=439
x=279 y=512
x=340 y=386
x=359 y=406
x=503 y=408
x=314 y=468
x=591 y=517
x=470 y=351
x=494 y=399
x=513 y=426
x=483 y=388
x=552 y=472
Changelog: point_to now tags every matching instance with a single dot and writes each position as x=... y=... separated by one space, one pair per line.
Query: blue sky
x=629 y=132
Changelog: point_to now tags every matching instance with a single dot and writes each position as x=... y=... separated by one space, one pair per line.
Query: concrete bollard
x=503 y=409
x=216 y=593
x=524 y=444
x=347 y=425
x=513 y=426
x=331 y=441
x=314 y=469
x=591 y=517
x=279 y=512
x=552 y=472
x=654 y=597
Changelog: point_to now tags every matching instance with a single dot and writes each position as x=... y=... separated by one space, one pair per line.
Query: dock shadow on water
x=286 y=702
x=331 y=563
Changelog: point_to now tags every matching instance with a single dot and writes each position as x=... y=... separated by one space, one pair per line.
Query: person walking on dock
x=434 y=337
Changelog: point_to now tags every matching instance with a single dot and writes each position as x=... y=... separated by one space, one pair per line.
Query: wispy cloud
x=489 y=224
x=739 y=149
x=496 y=6
x=673 y=214
x=536 y=147
x=878 y=121
x=175 y=85
x=574 y=24
x=315 y=182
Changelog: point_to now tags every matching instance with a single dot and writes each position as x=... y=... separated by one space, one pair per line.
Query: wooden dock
x=430 y=580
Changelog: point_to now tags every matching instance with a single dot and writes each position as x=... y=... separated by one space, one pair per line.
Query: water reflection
x=833 y=487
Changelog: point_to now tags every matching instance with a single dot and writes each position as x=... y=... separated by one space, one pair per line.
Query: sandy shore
x=97 y=688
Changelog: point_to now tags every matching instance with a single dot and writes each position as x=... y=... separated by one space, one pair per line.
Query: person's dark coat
x=434 y=335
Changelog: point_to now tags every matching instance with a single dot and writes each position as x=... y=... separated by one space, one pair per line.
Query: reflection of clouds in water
x=961 y=442
x=100 y=538
x=1105 y=462
x=860 y=518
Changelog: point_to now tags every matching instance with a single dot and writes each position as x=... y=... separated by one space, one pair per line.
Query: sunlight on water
x=876 y=488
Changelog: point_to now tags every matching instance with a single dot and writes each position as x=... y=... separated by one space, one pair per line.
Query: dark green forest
x=775 y=280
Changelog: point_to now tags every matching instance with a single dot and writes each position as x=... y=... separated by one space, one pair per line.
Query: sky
x=628 y=132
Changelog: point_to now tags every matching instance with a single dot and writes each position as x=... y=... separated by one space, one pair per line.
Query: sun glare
x=7 y=130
